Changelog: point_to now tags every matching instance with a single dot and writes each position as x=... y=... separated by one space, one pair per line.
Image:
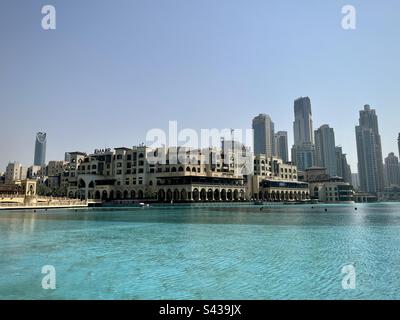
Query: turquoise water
x=235 y=252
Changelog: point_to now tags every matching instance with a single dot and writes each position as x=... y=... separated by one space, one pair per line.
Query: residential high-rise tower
x=303 y=150
x=369 y=152
x=263 y=135
x=325 y=155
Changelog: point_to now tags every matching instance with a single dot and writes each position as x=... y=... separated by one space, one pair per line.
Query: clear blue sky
x=114 y=69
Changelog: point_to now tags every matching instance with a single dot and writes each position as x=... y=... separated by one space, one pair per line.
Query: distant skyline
x=112 y=71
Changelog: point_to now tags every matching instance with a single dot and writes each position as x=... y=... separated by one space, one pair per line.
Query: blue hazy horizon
x=111 y=70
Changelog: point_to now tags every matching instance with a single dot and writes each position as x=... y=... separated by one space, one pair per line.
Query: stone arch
x=161 y=195
x=81 y=184
x=210 y=195
x=217 y=195
x=203 y=194
x=229 y=195
x=176 y=195
x=104 y=195
x=196 y=195
x=119 y=195
x=183 y=195
x=223 y=195
x=169 y=195
x=140 y=194
x=173 y=169
x=316 y=192
x=126 y=194
x=193 y=169
x=112 y=195
x=97 y=195
x=180 y=169
x=236 y=195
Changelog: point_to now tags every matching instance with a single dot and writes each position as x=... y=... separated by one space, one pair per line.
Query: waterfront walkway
x=18 y=202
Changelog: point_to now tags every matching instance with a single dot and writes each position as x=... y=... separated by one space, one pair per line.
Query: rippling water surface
x=232 y=252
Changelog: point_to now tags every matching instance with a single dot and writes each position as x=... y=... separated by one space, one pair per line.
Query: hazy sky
x=112 y=70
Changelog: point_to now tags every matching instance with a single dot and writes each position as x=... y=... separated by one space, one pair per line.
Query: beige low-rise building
x=178 y=174
x=275 y=181
x=15 y=172
x=162 y=174
x=324 y=188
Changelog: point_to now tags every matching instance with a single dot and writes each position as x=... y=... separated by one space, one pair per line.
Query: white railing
x=43 y=202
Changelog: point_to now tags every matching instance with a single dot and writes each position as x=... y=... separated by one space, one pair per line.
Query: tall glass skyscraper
x=40 y=149
x=343 y=168
x=303 y=151
x=392 y=169
x=264 y=138
x=281 y=145
x=369 y=152
x=303 y=126
x=325 y=153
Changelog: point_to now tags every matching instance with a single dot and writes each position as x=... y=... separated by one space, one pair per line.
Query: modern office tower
x=281 y=145
x=392 y=169
x=303 y=156
x=302 y=126
x=343 y=168
x=303 y=150
x=14 y=172
x=263 y=135
x=369 y=152
x=40 y=149
x=325 y=153
x=355 y=181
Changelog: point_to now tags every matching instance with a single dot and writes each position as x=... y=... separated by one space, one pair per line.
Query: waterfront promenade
x=18 y=202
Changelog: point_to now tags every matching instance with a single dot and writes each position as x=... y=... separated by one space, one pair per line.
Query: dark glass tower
x=264 y=140
x=40 y=149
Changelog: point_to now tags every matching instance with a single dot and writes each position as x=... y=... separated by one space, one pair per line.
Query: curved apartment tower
x=40 y=149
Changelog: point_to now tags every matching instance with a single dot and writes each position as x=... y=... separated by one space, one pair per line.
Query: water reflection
x=215 y=252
